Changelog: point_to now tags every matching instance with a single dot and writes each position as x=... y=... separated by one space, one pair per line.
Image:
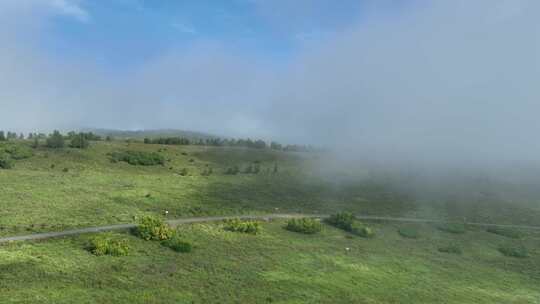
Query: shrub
x=152 y=228
x=304 y=225
x=408 y=232
x=232 y=170
x=362 y=230
x=457 y=228
x=453 y=248
x=107 y=245
x=207 y=171
x=513 y=234
x=5 y=162
x=177 y=244
x=19 y=152
x=79 y=141
x=237 y=225
x=55 y=140
x=138 y=158
x=514 y=251
x=347 y=221
x=342 y=220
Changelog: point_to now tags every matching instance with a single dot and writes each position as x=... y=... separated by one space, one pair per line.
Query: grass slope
x=276 y=266
x=39 y=195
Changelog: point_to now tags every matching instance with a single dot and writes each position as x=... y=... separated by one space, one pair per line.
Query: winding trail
x=190 y=220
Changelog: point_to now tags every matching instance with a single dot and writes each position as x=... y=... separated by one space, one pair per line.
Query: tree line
x=55 y=140
x=228 y=142
x=82 y=140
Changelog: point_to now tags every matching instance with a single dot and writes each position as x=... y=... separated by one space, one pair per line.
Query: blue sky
x=125 y=33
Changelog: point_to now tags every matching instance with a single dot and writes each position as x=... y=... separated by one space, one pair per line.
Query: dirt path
x=47 y=235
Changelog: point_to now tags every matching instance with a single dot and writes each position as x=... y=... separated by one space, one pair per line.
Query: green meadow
x=276 y=266
x=58 y=189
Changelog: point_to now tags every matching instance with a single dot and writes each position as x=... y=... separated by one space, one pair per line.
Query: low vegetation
x=516 y=251
x=79 y=141
x=408 y=232
x=456 y=228
x=105 y=244
x=304 y=225
x=348 y=222
x=177 y=244
x=244 y=226
x=452 y=248
x=152 y=228
x=342 y=220
x=506 y=232
x=138 y=158
x=362 y=230
x=55 y=141
x=18 y=152
x=5 y=161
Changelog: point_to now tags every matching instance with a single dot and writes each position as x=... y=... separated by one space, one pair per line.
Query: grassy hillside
x=277 y=266
x=57 y=189
x=49 y=190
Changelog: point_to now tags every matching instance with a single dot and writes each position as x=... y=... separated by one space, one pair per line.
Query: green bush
x=514 y=251
x=237 y=225
x=184 y=172
x=138 y=158
x=232 y=170
x=453 y=248
x=347 y=221
x=152 y=228
x=55 y=140
x=107 y=245
x=342 y=220
x=19 y=152
x=509 y=233
x=408 y=232
x=457 y=228
x=5 y=162
x=304 y=225
x=177 y=244
x=79 y=141
x=362 y=230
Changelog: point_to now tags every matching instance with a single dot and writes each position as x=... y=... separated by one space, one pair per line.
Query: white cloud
x=184 y=28
x=71 y=8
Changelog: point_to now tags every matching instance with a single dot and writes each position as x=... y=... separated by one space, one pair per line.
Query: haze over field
x=415 y=80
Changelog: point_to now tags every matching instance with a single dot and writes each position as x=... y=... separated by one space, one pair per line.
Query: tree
x=275 y=146
x=55 y=140
x=79 y=141
x=2 y=136
x=35 y=144
x=11 y=135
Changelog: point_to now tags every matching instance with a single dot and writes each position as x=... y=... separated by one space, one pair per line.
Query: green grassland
x=276 y=266
x=66 y=188
x=51 y=190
